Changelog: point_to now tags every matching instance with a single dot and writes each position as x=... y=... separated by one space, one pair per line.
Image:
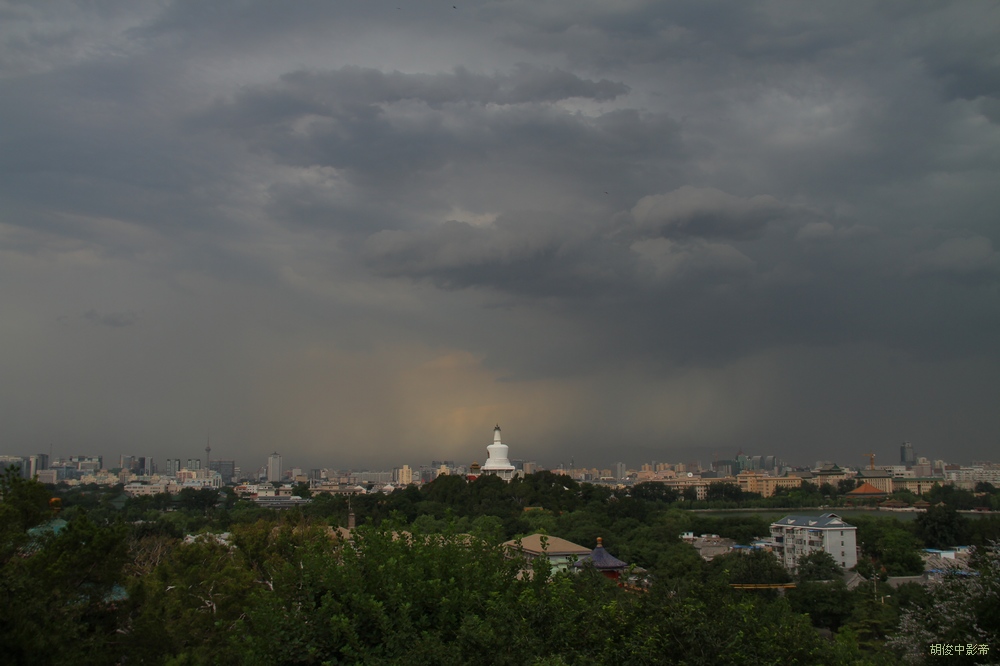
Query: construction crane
x=871 y=459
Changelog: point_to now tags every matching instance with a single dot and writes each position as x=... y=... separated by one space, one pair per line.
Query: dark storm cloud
x=961 y=50
x=691 y=211
x=529 y=254
x=364 y=120
x=111 y=319
x=683 y=278
x=616 y=36
x=352 y=89
x=813 y=102
x=961 y=257
x=93 y=140
x=536 y=254
x=358 y=86
x=403 y=138
x=684 y=223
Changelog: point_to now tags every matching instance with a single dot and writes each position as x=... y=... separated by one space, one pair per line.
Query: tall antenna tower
x=208 y=451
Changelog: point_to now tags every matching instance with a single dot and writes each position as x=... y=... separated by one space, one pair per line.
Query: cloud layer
x=362 y=235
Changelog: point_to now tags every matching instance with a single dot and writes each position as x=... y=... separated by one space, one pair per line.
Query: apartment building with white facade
x=794 y=537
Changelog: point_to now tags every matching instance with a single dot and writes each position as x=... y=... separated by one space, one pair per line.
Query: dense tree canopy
x=818 y=565
x=422 y=580
x=942 y=527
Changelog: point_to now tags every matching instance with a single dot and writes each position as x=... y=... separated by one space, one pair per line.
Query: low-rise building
x=967 y=477
x=878 y=478
x=866 y=493
x=560 y=552
x=49 y=476
x=136 y=489
x=709 y=546
x=916 y=485
x=794 y=537
x=764 y=485
x=699 y=483
x=281 y=501
x=831 y=474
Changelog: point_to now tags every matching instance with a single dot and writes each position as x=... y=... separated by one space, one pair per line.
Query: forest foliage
x=422 y=580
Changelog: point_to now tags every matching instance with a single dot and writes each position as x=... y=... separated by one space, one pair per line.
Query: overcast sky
x=363 y=233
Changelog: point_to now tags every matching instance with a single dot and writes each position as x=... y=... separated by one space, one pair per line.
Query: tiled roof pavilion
x=602 y=559
x=867 y=490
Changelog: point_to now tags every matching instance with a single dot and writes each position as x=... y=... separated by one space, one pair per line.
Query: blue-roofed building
x=603 y=561
x=794 y=537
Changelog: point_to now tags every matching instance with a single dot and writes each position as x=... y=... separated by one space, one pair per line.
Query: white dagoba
x=497 y=464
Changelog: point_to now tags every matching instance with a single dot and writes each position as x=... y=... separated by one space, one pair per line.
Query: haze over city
x=361 y=234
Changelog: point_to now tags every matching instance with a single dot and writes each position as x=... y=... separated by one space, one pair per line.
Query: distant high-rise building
x=86 y=463
x=725 y=467
x=620 y=471
x=404 y=475
x=377 y=477
x=906 y=454
x=20 y=463
x=225 y=468
x=37 y=463
x=274 y=467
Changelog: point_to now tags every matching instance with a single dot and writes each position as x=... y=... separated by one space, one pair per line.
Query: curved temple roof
x=602 y=559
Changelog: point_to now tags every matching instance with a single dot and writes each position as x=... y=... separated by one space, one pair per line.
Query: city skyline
x=250 y=467
x=365 y=233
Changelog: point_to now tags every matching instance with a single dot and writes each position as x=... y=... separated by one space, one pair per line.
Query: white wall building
x=794 y=537
x=498 y=463
x=274 y=467
x=968 y=477
x=561 y=553
x=136 y=489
